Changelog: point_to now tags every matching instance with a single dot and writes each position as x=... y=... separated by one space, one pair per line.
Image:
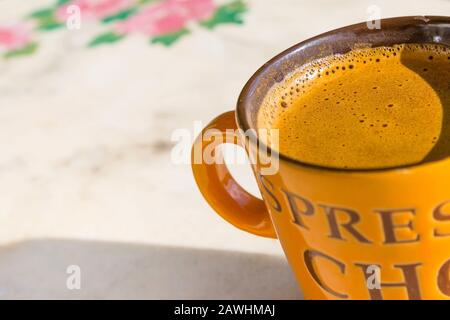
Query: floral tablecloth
x=90 y=94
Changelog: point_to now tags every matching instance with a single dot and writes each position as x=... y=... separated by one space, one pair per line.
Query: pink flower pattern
x=93 y=9
x=167 y=17
x=164 y=21
x=14 y=37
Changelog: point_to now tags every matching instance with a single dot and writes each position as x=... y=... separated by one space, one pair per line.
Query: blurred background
x=91 y=93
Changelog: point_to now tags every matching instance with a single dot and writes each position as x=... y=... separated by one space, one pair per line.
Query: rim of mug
x=244 y=124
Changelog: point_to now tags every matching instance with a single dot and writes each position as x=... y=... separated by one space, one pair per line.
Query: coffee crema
x=370 y=108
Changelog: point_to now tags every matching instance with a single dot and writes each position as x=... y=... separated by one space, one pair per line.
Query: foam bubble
x=382 y=82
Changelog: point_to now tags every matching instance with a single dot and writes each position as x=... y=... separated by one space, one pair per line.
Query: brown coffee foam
x=364 y=109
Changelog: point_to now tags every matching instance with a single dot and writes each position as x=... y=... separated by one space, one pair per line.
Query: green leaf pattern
x=26 y=50
x=168 y=39
x=228 y=13
x=107 y=37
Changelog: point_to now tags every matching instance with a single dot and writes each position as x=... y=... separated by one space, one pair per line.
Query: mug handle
x=221 y=191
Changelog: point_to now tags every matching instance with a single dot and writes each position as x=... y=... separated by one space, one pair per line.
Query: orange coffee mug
x=347 y=234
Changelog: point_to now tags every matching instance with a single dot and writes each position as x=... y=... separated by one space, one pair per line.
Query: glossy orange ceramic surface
x=348 y=234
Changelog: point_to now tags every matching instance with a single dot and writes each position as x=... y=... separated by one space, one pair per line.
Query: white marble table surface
x=86 y=176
